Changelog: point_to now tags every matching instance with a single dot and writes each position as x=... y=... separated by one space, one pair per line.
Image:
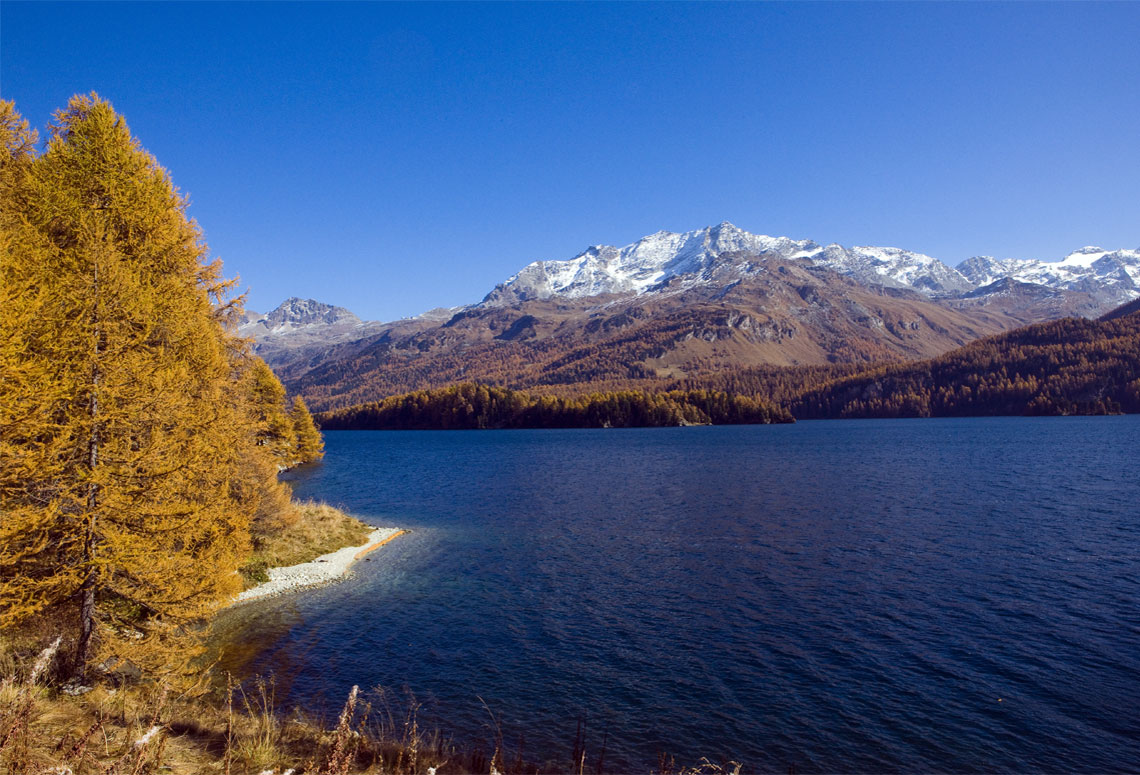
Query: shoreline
x=322 y=570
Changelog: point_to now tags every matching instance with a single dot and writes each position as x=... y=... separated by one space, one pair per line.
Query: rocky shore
x=322 y=570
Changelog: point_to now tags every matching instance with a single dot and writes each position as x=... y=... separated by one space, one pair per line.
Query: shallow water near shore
x=901 y=595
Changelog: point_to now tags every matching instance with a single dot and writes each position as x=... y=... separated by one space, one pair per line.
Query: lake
x=864 y=596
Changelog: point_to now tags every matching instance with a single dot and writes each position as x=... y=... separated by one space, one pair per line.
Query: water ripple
x=896 y=596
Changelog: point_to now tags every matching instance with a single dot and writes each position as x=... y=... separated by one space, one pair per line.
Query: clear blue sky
x=391 y=158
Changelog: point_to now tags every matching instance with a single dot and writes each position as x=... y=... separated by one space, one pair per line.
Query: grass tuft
x=318 y=529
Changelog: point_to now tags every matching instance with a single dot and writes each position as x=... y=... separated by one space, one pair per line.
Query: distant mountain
x=303 y=328
x=751 y=311
x=647 y=265
x=675 y=305
x=1110 y=277
x=295 y=316
x=669 y=261
x=300 y=330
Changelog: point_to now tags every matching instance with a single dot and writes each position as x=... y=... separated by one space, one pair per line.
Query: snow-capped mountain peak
x=1113 y=276
x=983 y=270
x=674 y=260
x=898 y=268
x=637 y=267
x=667 y=257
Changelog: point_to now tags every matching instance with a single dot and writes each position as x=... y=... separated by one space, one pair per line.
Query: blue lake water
x=952 y=595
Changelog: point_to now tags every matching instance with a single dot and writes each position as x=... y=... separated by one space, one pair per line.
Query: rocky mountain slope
x=300 y=329
x=668 y=259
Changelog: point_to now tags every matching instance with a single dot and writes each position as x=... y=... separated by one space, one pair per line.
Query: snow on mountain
x=297 y=315
x=1114 y=275
x=983 y=270
x=689 y=258
x=636 y=268
x=300 y=328
x=897 y=268
x=719 y=256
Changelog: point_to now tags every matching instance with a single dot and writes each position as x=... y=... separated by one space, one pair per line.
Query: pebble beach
x=324 y=569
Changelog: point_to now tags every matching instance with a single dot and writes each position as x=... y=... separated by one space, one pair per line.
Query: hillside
x=1124 y=309
x=752 y=312
x=1069 y=366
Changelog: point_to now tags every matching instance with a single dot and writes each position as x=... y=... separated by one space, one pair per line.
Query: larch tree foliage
x=310 y=446
x=275 y=427
x=124 y=428
x=272 y=448
x=32 y=457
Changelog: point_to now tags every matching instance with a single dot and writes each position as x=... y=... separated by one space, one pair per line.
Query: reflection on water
x=239 y=634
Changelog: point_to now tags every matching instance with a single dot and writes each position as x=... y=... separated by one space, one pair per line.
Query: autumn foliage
x=471 y=407
x=1069 y=366
x=1065 y=367
x=139 y=440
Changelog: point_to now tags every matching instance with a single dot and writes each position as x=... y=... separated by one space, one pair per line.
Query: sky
x=391 y=158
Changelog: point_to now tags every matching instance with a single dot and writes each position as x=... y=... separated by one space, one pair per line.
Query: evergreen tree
x=310 y=446
x=122 y=479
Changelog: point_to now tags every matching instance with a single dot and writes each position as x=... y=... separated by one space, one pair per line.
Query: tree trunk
x=87 y=589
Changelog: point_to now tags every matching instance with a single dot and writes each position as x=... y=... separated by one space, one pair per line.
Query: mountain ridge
x=794 y=314
x=648 y=265
x=651 y=262
x=676 y=304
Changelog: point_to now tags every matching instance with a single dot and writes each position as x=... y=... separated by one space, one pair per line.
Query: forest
x=140 y=440
x=470 y=407
x=1064 y=367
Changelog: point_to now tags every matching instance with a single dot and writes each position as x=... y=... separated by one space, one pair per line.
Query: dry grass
x=107 y=731
x=142 y=729
x=318 y=529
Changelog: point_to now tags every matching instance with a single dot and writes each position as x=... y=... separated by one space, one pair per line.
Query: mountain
x=303 y=328
x=669 y=260
x=300 y=330
x=297 y=317
x=748 y=311
x=1110 y=277
x=645 y=266
x=680 y=305
x=1068 y=366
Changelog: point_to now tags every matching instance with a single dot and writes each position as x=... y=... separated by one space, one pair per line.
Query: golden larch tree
x=274 y=426
x=33 y=455
x=126 y=475
x=310 y=445
x=272 y=449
